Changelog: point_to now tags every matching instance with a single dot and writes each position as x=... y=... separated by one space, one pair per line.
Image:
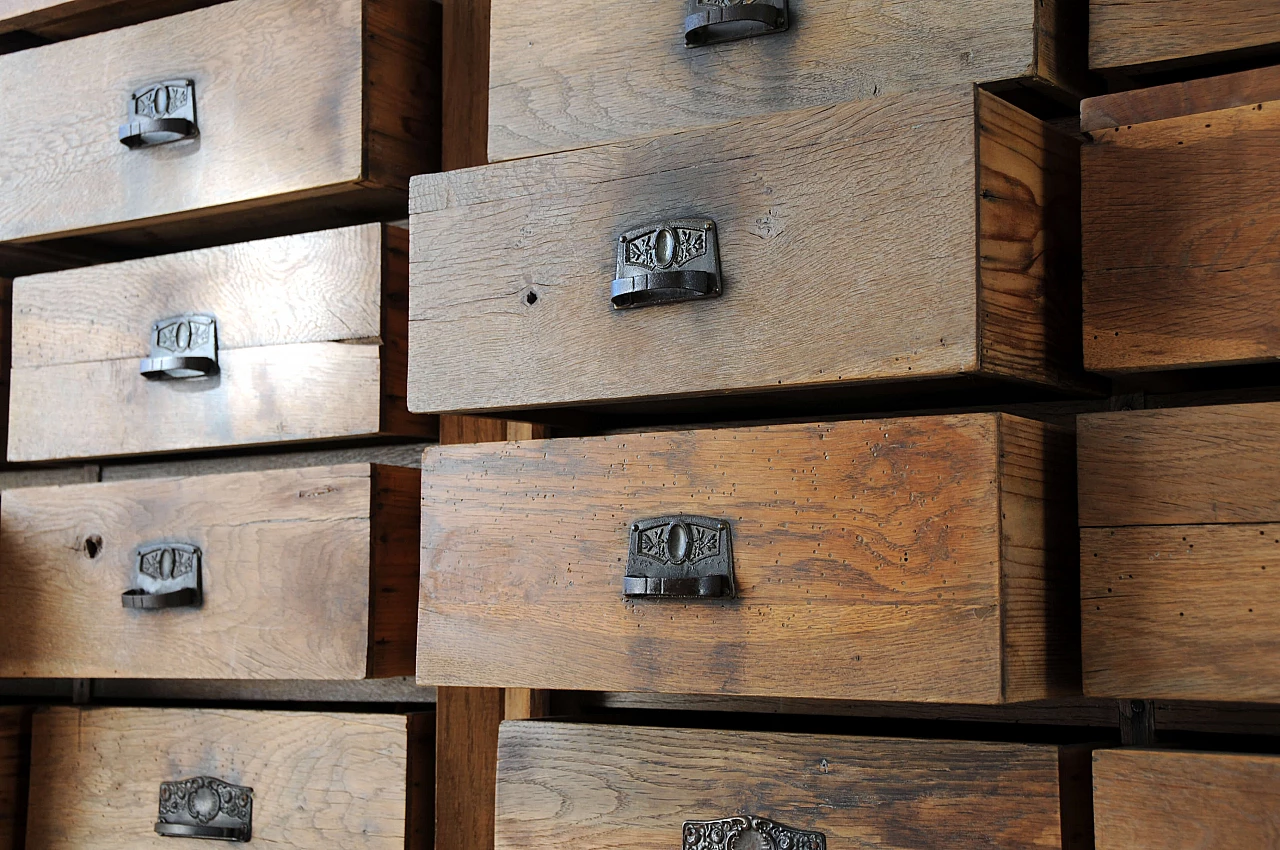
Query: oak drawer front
x=563 y=786
x=15 y=735
x=344 y=781
x=870 y=561
x=1169 y=800
x=857 y=243
x=309 y=335
x=592 y=73
x=1180 y=553
x=1181 y=267
x=1151 y=36
x=285 y=562
x=288 y=115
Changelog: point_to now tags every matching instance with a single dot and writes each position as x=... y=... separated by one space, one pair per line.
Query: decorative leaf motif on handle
x=749 y=833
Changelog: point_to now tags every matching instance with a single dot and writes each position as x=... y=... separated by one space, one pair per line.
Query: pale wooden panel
x=286 y=577
x=274 y=393
x=315 y=287
x=563 y=786
x=1138 y=32
x=280 y=114
x=60 y=19
x=14 y=743
x=1182 y=612
x=881 y=537
x=1180 y=465
x=593 y=73
x=1181 y=260
x=319 y=780
x=823 y=282
x=1153 y=800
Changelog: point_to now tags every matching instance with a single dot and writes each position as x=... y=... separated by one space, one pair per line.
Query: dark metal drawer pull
x=168 y=576
x=182 y=347
x=205 y=807
x=680 y=557
x=160 y=114
x=666 y=263
x=718 y=21
x=748 y=833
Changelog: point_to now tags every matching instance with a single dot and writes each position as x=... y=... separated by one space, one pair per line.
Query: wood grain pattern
x=870 y=200
x=319 y=780
x=563 y=786
x=591 y=73
x=312 y=344
x=1138 y=33
x=1167 y=800
x=465 y=81
x=1182 y=612
x=293 y=584
x=882 y=537
x=466 y=766
x=1180 y=466
x=1175 y=100
x=57 y=20
x=321 y=101
x=1181 y=264
x=15 y=743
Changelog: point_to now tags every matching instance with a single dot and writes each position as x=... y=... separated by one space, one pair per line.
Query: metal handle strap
x=662 y=288
x=140 y=599
x=150 y=132
x=698 y=26
x=173 y=368
x=217 y=833
x=702 y=587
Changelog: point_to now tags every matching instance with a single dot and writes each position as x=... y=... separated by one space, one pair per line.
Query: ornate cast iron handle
x=718 y=21
x=168 y=576
x=205 y=807
x=182 y=347
x=680 y=557
x=667 y=262
x=748 y=833
x=160 y=114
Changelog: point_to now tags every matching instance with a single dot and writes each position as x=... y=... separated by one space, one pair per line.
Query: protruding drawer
x=281 y=340
x=293 y=574
x=589 y=73
x=1180 y=553
x=183 y=129
x=568 y=786
x=925 y=559
x=1163 y=34
x=1170 y=800
x=128 y=778
x=1181 y=263
x=920 y=236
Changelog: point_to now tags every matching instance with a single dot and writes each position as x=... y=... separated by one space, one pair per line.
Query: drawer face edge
x=1171 y=32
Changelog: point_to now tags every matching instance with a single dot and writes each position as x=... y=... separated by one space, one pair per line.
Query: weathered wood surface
x=1180 y=466
x=1175 y=100
x=1137 y=33
x=849 y=233
x=319 y=780
x=592 y=73
x=61 y=19
x=398 y=454
x=323 y=100
x=1168 y=800
x=14 y=745
x=1181 y=264
x=402 y=689
x=883 y=537
x=307 y=574
x=311 y=336
x=563 y=786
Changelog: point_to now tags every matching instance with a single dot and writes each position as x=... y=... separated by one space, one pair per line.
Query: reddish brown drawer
x=1160 y=34
x=925 y=559
x=15 y=735
x=301 y=574
x=55 y=20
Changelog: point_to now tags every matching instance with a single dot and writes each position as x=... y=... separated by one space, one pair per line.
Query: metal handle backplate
x=167 y=576
x=718 y=21
x=205 y=807
x=748 y=833
x=667 y=262
x=182 y=347
x=680 y=557
x=160 y=114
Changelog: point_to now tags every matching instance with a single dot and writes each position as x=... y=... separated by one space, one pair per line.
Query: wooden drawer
x=594 y=73
x=15 y=742
x=55 y=20
x=329 y=107
x=567 y=786
x=866 y=242
x=1180 y=553
x=1181 y=267
x=1169 y=800
x=288 y=564
x=1159 y=35
x=926 y=559
x=310 y=335
x=341 y=781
